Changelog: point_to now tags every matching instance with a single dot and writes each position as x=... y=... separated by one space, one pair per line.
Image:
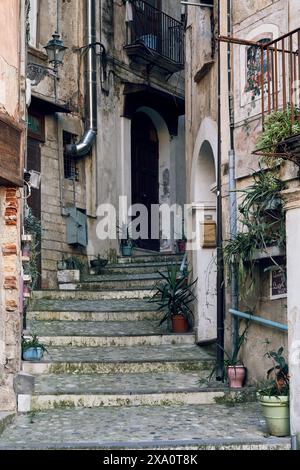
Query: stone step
x=118 y=281
x=104 y=329
x=134 y=359
x=79 y=316
x=102 y=334
x=92 y=310
x=46 y=402
x=195 y=427
x=138 y=268
x=85 y=384
x=120 y=294
x=144 y=258
x=55 y=391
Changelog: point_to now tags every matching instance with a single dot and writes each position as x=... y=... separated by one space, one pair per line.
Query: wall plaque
x=208 y=233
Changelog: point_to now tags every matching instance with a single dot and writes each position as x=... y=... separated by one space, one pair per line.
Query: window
x=70 y=167
x=33 y=23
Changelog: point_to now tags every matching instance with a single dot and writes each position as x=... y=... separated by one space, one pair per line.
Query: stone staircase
x=110 y=368
x=106 y=348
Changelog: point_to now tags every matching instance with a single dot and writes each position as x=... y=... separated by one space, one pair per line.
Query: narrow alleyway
x=113 y=378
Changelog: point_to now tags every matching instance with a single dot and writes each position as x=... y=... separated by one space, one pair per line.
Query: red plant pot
x=181 y=246
x=236 y=376
x=179 y=324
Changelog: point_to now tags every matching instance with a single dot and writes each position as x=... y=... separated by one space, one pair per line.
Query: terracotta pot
x=179 y=324
x=236 y=376
x=181 y=246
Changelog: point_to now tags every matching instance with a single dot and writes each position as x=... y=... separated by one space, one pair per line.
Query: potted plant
x=126 y=241
x=174 y=296
x=181 y=242
x=234 y=370
x=98 y=264
x=234 y=367
x=69 y=270
x=62 y=264
x=278 y=131
x=262 y=222
x=32 y=348
x=181 y=245
x=274 y=395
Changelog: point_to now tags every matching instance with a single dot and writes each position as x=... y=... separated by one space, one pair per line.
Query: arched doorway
x=203 y=195
x=145 y=171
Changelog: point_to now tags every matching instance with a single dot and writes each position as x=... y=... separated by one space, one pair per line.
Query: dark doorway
x=145 y=171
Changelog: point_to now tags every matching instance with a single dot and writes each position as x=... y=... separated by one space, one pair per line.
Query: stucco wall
x=250 y=18
x=9 y=56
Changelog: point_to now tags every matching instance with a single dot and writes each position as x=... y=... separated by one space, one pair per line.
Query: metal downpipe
x=220 y=260
x=84 y=146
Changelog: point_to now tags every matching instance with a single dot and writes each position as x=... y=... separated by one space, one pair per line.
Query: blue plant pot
x=33 y=354
x=126 y=250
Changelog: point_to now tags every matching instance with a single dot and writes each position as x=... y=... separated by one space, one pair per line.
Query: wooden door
x=145 y=171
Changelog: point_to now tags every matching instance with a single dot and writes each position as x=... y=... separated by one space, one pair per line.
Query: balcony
x=280 y=88
x=154 y=38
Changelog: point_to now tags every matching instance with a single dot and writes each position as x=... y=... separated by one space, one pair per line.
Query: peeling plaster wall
x=201 y=130
x=9 y=57
x=251 y=19
x=255 y=20
x=12 y=105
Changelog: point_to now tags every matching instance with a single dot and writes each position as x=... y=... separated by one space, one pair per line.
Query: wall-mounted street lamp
x=55 y=50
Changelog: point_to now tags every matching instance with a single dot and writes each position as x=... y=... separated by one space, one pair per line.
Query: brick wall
x=10 y=318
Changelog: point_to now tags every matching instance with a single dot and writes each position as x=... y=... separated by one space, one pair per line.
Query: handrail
x=263 y=321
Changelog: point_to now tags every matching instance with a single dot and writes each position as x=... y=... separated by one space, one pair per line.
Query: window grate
x=70 y=167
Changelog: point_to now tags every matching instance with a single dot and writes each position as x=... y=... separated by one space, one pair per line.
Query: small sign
x=208 y=232
x=278 y=284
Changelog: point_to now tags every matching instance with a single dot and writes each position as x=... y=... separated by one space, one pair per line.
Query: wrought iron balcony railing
x=156 y=36
x=280 y=80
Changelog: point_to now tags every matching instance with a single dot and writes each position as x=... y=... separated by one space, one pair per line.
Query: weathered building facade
x=242 y=113
x=12 y=142
x=122 y=71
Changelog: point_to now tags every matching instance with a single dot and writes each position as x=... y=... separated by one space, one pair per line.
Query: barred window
x=70 y=167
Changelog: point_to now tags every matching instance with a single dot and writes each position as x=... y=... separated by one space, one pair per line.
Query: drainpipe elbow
x=83 y=148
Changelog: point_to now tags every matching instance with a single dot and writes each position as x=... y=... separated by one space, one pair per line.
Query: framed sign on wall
x=278 y=284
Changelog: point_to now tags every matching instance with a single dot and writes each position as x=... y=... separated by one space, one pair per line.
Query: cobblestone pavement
x=127 y=354
x=125 y=426
x=58 y=328
x=121 y=383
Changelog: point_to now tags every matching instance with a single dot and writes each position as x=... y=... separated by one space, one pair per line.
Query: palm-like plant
x=174 y=294
x=278 y=375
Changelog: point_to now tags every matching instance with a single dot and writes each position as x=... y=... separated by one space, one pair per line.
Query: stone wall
x=10 y=304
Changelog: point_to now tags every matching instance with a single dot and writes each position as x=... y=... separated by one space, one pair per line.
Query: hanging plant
x=262 y=219
x=279 y=126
